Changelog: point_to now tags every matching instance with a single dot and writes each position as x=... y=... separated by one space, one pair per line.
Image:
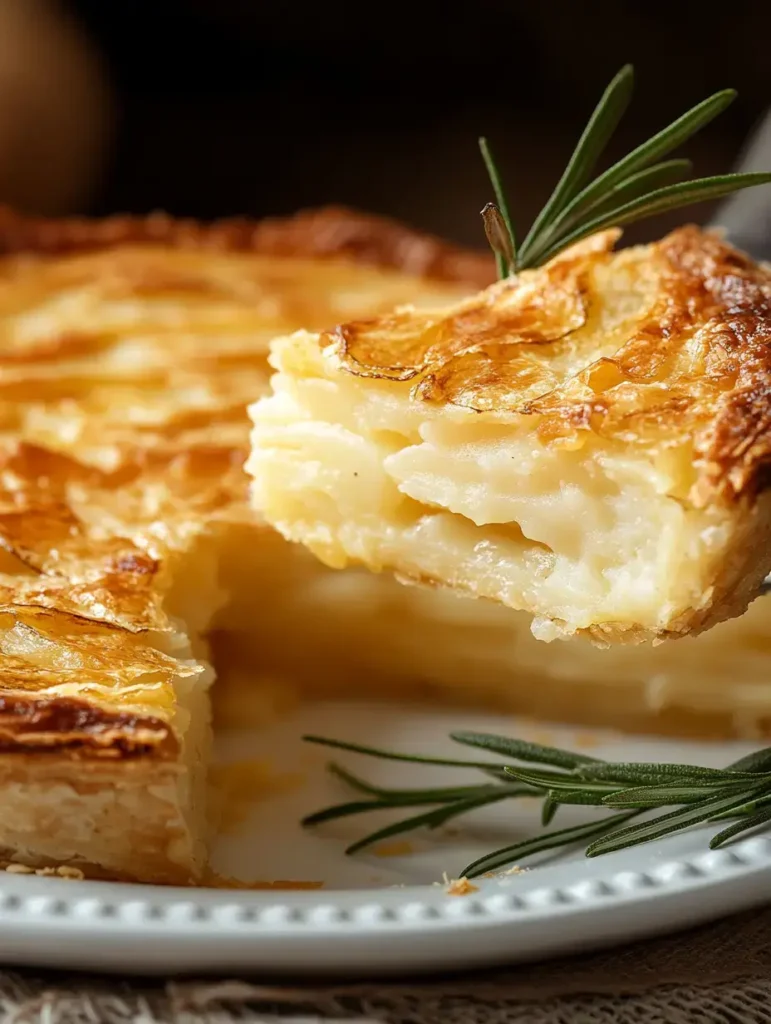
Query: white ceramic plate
x=381 y=914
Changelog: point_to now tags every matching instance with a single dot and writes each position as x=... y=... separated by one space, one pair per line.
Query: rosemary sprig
x=639 y=185
x=741 y=791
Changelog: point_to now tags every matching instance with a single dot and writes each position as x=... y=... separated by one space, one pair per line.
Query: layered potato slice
x=320 y=633
x=586 y=443
x=128 y=352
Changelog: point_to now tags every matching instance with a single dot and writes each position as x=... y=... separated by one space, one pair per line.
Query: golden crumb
x=62 y=871
x=74 y=874
x=461 y=887
x=516 y=870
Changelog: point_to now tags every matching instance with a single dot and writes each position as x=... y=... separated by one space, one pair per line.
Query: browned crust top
x=692 y=357
x=315 y=234
x=59 y=725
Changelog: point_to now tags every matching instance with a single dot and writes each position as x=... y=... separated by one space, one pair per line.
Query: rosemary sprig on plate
x=741 y=792
x=639 y=185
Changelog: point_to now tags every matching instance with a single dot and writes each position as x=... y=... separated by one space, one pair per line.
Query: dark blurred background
x=209 y=108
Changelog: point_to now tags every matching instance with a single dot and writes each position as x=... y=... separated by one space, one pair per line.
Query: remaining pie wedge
x=587 y=442
x=128 y=351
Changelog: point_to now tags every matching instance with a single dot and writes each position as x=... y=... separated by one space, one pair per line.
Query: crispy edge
x=80 y=730
x=736 y=452
x=328 y=232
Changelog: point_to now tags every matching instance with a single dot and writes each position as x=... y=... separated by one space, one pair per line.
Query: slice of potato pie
x=587 y=441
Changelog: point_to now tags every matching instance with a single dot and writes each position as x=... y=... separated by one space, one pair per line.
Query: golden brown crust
x=695 y=361
x=313 y=234
x=63 y=725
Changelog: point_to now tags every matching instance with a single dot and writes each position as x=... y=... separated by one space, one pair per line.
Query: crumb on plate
x=62 y=871
x=461 y=887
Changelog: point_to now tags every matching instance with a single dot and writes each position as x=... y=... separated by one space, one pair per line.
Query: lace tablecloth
x=718 y=973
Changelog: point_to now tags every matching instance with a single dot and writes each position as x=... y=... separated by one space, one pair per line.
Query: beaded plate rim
x=259 y=928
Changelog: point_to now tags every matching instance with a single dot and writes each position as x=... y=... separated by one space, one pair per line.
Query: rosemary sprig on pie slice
x=639 y=185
